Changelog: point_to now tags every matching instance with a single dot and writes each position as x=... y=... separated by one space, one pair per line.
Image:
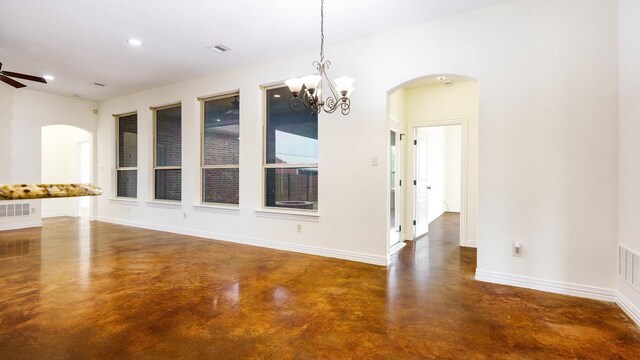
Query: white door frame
x=396 y=126
x=411 y=156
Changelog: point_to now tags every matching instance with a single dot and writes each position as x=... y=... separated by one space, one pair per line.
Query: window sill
x=165 y=204
x=312 y=216
x=124 y=201
x=219 y=209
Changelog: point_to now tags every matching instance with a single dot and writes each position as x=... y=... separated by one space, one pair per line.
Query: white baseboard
x=590 y=292
x=58 y=214
x=395 y=248
x=470 y=243
x=24 y=225
x=628 y=307
x=305 y=249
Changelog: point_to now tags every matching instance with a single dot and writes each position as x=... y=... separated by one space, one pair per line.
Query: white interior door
x=394 y=196
x=421 y=187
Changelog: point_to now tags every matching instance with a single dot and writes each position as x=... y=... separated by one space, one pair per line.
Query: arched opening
x=433 y=160
x=66 y=157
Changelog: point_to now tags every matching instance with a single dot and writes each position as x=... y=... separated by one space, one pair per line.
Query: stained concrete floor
x=87 y=290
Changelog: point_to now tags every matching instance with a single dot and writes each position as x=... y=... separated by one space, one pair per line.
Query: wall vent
x=12 y=210
x=629 y=267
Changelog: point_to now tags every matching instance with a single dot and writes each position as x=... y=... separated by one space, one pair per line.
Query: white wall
x=22 y=114
x=629 y=157
x=547 y=148
x=453 y=167
x=459 y=101
x=60 y=164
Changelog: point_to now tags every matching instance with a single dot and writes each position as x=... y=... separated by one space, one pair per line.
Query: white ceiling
x=84 y=41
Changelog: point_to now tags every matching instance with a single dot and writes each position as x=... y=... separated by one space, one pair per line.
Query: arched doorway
x=445 y=109
x=66 y=157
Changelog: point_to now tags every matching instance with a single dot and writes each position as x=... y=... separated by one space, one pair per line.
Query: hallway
x=78 y=289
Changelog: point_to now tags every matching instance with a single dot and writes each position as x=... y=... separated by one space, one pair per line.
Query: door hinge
x=400 y=182
x=401 y=135
x=415 y=182
x=399 y=227
x=415 y=142
x=414 y=222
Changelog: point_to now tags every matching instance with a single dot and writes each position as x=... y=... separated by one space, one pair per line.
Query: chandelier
x=307 y=90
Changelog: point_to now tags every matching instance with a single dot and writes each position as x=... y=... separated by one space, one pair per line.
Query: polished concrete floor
x=75 y=289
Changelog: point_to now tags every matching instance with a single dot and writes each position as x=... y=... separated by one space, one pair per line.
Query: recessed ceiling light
x=134 y=42
x=220 y=48
x=276 y=95
x=218 y=120
x=48 y=77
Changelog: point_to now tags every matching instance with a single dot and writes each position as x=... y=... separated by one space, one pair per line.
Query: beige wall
x=439 y=102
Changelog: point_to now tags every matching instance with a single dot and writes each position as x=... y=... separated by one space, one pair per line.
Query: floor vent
x=629 y=266
x=11 y=210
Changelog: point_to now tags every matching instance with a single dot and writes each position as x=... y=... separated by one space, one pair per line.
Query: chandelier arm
x=333 y=90
x=294 y=104
x=330 y=105
x=345 y=106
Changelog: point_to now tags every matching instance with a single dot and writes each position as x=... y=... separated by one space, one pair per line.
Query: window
x=291 y=154
x=221 y=149
x=168 y=153
x=127 y=156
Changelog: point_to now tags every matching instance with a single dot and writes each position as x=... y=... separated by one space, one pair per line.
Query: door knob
x=428 y=187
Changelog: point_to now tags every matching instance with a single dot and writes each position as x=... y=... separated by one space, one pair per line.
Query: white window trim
x=273 y=211
x=164 y=202
x=117 y=167
x=205 y=205
x=218 y=209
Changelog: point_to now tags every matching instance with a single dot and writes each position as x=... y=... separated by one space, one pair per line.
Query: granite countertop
x=42 y=191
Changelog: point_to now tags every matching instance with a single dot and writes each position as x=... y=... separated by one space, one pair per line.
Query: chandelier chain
x=321 y=31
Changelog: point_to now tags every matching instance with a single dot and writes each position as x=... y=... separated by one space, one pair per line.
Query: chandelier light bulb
x=343 y=83
x=311 y=82
x=295 y=85
x=349 y=91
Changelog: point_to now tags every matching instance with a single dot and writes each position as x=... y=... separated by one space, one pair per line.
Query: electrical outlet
x=517 y=249
x=299 y=228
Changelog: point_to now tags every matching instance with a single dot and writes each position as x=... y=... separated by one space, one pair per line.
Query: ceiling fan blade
x=11 y=82
x=24 y=76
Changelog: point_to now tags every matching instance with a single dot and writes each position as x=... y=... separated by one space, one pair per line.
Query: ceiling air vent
x=99 y=84
x=220 y=48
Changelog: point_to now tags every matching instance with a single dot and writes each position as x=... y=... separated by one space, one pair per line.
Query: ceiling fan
x=6 y=77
